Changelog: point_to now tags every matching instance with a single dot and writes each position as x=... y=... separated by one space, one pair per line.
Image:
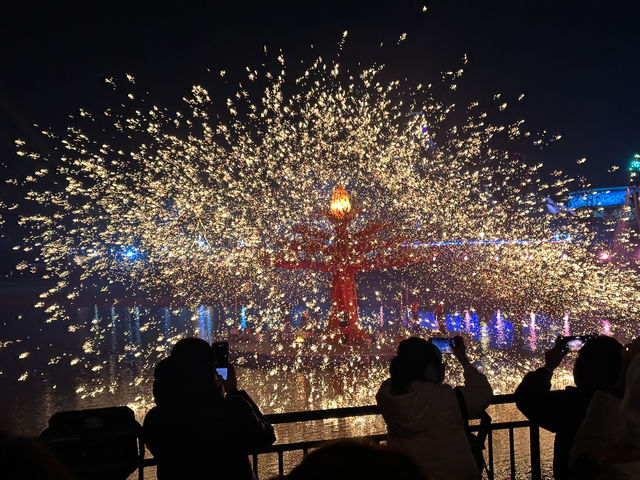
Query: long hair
x=417 y=359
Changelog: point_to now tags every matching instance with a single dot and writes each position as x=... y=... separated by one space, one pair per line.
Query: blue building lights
x=598 y=197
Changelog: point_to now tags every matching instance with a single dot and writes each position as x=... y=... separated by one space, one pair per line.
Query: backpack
x=475 y=440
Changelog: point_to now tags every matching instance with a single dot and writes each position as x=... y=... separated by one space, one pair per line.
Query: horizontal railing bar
x=503 y=425
x=503 y=398
x=278 y=447
x=311 y=415
x=382 y=436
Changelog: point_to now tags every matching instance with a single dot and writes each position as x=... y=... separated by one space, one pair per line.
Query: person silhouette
x=607 y=444
x=598 y=366
x=422 y=413
x=202 y=426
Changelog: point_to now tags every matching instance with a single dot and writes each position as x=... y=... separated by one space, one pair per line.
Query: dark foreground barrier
x=293 y=417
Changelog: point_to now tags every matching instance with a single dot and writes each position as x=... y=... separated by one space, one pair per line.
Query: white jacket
x=426 y=423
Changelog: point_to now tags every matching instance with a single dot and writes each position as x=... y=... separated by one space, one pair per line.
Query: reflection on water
x=109 y=360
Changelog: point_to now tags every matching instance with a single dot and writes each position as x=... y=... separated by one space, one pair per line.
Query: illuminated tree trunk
x=343 y=321
x=344 y=255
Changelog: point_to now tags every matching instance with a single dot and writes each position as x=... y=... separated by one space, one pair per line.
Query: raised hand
x=459 y=350
x=231 y=383
x=554 y=356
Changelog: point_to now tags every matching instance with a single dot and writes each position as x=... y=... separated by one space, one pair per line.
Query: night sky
x=577 y=62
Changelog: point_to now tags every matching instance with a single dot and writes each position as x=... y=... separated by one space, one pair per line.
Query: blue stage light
x=131 y=253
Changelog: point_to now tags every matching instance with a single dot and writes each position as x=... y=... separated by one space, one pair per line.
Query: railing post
x=490 y=440
x=255 y=465
x=534 y=443
x=512 y=454
x=280 y=462
x=141 y=450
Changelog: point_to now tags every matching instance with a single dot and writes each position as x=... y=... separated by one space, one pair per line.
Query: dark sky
x=577 y=61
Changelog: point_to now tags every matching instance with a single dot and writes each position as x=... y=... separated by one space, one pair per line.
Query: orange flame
x=340 y=204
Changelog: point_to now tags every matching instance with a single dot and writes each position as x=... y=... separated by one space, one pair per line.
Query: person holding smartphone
x=423 y=414
x=597 y=367
x=202 y=426
x=607 y=444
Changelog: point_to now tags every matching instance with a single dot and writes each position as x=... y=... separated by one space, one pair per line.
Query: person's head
x=348 y=459
x=187 y=375
x=417 y=359
x=27 y=458
x=599 y=365
x=192 y=349
x=167 y=382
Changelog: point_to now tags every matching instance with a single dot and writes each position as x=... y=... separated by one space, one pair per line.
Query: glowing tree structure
x=343 y=254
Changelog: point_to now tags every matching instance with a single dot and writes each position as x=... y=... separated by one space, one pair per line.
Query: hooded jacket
x=426 y=423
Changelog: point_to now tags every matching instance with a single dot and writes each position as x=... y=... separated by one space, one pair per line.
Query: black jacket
x=208 y=438
x=560 y=411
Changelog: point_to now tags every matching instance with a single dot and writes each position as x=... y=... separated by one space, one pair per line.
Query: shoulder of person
x=384 y=389
x=570 y=390
x=237 y=400
x=152 y=417
x=385 y=385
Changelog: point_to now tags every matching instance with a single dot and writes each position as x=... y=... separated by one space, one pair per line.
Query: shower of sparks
x=186 y=207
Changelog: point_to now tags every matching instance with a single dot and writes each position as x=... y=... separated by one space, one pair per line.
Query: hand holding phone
x=221 y=355
x=554 y=355
x=459 y=350
x=231 y=382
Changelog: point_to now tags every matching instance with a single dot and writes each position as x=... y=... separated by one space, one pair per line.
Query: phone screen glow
x=442 y=344
x=222 y=372
x=575 y=344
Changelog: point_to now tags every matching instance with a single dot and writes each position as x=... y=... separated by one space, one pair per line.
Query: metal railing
x=311 y=415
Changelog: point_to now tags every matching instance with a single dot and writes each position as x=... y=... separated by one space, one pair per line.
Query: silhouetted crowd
x=205 y=427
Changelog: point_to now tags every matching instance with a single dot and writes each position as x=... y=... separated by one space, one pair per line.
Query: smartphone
x=221 y=354
x=443 y=343
x=576 y=342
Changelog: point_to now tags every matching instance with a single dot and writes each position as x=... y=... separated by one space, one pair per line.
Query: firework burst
x=186 y=205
